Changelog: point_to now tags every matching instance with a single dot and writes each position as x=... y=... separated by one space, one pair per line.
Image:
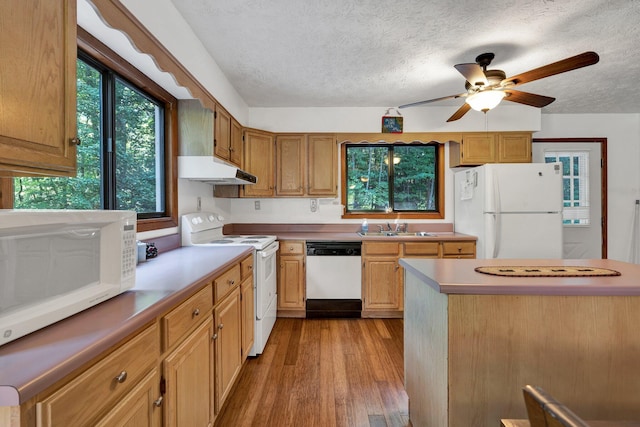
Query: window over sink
x=399 y=180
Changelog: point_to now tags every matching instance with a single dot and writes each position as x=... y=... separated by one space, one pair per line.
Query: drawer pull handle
x=231 y=282
x=122 y=377
x=158 y=402
x=221 y=325
x=214 y=337
x=195 y=313
x=251 y=267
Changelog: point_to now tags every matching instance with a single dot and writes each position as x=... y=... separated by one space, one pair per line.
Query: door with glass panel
x=582 y=195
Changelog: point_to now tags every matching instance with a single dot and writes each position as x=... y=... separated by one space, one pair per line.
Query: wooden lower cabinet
x=383 y=277
x=227 y=339
x=247 y=298
x=175 y=372
x=291 y=279
x=100 y=388
x=188 y=373
x=142 y=407
x=458 y=249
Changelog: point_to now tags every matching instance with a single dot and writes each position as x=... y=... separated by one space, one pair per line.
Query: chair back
x=558 y=415
x=536 y=399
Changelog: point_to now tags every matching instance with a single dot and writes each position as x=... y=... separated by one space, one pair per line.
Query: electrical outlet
x=256 y=205
x=313 y=205
x=199 y=203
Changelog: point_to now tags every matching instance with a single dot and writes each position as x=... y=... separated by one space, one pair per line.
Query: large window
x=393 y=180
x=125 y=156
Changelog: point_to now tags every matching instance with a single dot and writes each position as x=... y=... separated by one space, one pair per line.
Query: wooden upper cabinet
x=514 y=148
x=322 y=164
x=222 y=134
x=290 y=165
x=306 y=165
x=38 y=88
x=258 y=161
x=490 y=147
x=235 y=145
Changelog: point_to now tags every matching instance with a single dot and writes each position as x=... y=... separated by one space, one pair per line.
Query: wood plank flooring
x=323 y=373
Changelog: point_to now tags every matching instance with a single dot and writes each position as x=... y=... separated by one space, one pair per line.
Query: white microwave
x=55 y=263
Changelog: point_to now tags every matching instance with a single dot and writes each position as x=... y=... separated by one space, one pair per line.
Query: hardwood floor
x=324 y=373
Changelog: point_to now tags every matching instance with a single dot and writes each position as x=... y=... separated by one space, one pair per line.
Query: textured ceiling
x=359 y=53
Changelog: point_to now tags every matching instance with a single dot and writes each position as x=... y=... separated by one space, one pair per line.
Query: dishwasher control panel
x=334 y=248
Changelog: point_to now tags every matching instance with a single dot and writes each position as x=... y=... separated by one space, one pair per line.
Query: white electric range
x=205 y=229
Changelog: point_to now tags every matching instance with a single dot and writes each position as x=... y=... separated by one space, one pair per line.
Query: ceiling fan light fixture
x=485 y=100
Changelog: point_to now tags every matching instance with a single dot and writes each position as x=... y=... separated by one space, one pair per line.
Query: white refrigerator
x=515 y=209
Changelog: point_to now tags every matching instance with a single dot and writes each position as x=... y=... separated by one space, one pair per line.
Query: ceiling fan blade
x=460 y=112
x=528 y=98
x=567 y=64
x=473 y=73
x=413 y=104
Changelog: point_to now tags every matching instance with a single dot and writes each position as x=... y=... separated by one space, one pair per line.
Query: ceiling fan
x=486 y=88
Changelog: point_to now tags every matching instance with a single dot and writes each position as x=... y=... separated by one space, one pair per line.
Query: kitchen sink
x=394 y=234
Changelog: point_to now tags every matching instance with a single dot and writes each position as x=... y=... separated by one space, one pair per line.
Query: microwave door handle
x=83 y=234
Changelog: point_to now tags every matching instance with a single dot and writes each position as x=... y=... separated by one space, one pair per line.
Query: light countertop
x=36 y=361
x=457 y=276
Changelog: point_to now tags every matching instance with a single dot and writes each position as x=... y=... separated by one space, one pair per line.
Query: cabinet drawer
x=246 y=267
x=187 y=315
x=292 y=248
x=226 y=282
x=381 y=248
x=99 y=387
x=458 y=248
x=422 y=248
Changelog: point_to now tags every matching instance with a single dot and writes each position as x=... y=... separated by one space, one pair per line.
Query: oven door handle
x=270 y=250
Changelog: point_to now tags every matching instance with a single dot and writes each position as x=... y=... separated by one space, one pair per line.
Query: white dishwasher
x=334 y=279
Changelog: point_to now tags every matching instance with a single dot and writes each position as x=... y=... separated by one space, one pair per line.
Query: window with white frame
x=575 y=185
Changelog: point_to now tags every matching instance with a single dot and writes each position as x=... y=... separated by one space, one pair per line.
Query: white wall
x=623 y=165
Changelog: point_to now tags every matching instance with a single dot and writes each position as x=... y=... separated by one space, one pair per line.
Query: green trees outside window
x=391 y=178
x=121 y=156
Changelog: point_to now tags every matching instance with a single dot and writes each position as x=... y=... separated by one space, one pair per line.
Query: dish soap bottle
x=365 y=226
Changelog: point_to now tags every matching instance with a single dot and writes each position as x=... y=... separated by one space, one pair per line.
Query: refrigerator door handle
x=496 y=235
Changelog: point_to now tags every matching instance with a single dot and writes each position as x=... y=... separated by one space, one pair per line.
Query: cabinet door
x=514 y=148
x=101 y=386
x=382 y=284
x=188 y=373
x=478 y=149
x=258 y=160
x=235 y=147
x=222 y=134
x=322 y=164
x=38 y=87
x=290 y=165
x=228 y=344
x=248 y=315
x=140 y=408
x=291 y=279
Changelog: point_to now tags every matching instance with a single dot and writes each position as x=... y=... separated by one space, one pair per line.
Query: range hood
x=213 y=171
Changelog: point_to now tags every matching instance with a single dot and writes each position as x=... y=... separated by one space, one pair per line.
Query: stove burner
x=222 y=241
x=249 y=241
x=256 y=237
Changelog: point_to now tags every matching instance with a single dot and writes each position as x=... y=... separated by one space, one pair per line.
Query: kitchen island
x=473 y=340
